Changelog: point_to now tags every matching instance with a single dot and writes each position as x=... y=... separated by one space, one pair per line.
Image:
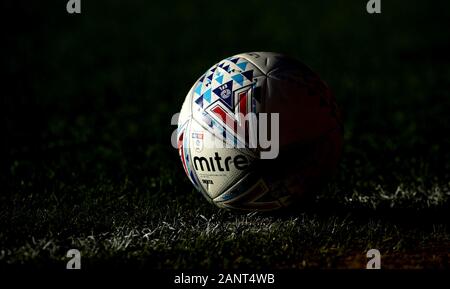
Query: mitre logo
x=217 y=163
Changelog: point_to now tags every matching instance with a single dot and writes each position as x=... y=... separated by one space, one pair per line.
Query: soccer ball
x=216 y=139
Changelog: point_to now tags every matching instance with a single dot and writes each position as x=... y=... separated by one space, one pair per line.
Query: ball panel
x=250 y=193
x=305 y=107
x=216 y=168
x=265 y=61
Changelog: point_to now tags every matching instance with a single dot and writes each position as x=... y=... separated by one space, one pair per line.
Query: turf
x=87 y=161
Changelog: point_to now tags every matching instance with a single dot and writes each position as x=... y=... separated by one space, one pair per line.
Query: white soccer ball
x=234 y=175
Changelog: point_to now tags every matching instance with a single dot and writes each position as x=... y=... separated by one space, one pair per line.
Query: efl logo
x=198 y=141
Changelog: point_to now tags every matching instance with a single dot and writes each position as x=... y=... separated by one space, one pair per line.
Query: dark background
x=87 y=99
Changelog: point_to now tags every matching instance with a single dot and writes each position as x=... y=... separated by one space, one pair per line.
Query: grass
x=126 y=201
x=87 y=161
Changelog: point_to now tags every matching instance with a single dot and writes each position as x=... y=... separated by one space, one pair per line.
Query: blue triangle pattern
x=248 y=74
x=238 y=78
x=207 y=81
x=219 y=79
x=242 y=65
x=198 y=89
x=199 y=101
x=207 y=95
x=234 y=60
